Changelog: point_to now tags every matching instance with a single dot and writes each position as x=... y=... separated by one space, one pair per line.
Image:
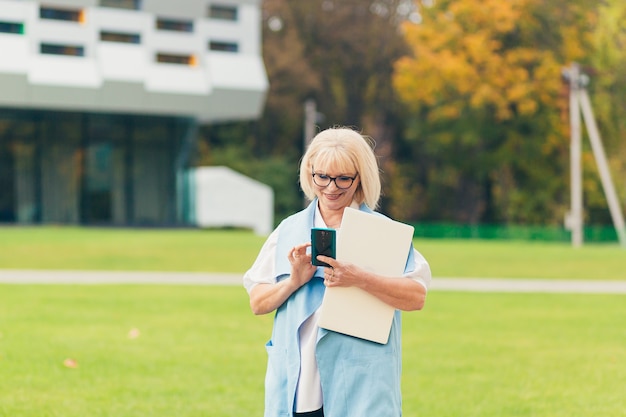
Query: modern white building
x=100 y=101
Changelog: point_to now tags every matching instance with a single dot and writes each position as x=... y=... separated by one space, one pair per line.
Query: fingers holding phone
x=301 y=268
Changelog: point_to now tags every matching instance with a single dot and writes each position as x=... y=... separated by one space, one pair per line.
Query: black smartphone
x=323 y=242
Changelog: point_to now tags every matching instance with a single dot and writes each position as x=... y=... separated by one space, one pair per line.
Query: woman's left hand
x=339 y=274
x=399 y=292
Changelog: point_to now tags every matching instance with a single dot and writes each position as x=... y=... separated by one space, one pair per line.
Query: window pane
x=71 y=15
x=223 y=46
x=10 y=27
x=176 y=59
x=55 y=49
x=122 y=4
x=120 y=37
x=175 y=25
x=223 y=12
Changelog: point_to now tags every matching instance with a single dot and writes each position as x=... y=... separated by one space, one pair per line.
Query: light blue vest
x=359 y=378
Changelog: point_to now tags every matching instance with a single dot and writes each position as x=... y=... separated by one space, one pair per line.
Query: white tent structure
x=226 y=198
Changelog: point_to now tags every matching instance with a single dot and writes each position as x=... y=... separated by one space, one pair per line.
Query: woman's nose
x=333 y=184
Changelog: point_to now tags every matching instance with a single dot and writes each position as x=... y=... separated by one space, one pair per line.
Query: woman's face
x=332 y=187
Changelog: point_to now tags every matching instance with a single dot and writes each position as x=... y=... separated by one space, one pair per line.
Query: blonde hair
x=348 y=151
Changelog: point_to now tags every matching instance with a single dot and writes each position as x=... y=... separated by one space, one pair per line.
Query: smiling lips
x=333 y=196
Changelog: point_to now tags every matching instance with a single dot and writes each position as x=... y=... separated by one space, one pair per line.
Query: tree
x=608 y=90
x=352 y=45
x=483 y=82
x=339 y=53
x=269 y=148
x=292 y=81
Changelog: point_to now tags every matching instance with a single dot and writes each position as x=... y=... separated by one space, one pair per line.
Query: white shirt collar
x=318 y=221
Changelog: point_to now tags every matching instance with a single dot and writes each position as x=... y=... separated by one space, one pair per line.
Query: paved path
x=15 y=276
x=199 y=278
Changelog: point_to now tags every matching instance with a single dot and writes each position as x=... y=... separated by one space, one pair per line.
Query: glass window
x=56 y=49
x=70 y=15
x=71 y=168
x=7 y=169
x=59 y=159
x=122 y=4
x=19 y=191
x=174 y=25
x=104 y=170
x=11 y=27
x=223 y=46
x=176 y=59
x=222 y=12
x=107 y=36
x=156 y=141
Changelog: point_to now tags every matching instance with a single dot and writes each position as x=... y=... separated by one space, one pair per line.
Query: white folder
x=374 y=243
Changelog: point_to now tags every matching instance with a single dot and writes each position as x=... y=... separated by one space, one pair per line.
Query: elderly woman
x=313 y=371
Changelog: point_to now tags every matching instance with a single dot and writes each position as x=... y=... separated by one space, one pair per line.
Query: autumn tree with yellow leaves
x=608 y=91
x=488 y=105
x=481 y=133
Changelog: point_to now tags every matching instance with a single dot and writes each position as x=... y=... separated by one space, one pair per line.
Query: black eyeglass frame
x=334 y=179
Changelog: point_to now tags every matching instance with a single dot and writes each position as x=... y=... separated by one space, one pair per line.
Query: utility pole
x=310 y=119
x=579 y=101
x=574 y=219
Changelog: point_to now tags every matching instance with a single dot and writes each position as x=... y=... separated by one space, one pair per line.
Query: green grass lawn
x=234 y=251
x=534 y=355
x=200 y=352
x=127 y=249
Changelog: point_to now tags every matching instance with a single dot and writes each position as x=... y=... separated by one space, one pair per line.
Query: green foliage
x=284 y=180
x=608 y=93
x=231 y=145
x=292 y=80
x=352 y=46
x=592 y=234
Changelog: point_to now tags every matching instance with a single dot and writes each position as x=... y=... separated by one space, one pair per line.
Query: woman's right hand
x=265 y=298
x=301 y=268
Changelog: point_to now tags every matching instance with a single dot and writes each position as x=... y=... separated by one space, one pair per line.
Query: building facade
x=100 y=103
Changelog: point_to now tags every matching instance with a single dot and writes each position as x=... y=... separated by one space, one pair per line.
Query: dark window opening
x=7 y=178
x=120 y=37
x=122 y=4
x=70 y=15
x=11 y=27
x=223 y=12
x=189 y=60
x=68 y=50
x=175 y=25
x=223 y=46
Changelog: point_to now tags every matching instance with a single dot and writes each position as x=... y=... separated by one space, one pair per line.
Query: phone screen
x=323 y=242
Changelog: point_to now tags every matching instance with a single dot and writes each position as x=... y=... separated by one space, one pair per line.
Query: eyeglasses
x=342 y=182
